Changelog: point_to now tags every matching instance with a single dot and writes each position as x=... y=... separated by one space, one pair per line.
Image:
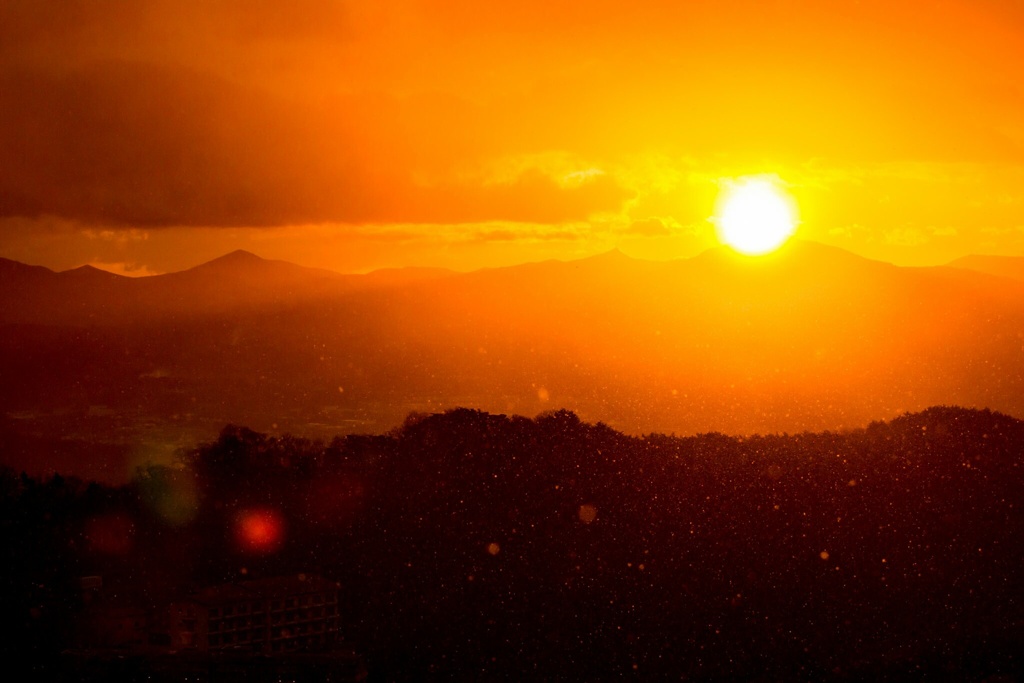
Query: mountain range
x=809 y=338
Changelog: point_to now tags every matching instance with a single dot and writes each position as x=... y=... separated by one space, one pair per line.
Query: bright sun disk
x=755 y=216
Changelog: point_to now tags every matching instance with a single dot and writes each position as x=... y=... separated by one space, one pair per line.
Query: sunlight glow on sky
x=152 y=136
x=754 y=215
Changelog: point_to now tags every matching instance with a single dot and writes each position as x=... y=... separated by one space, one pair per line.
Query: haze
x=533 y=340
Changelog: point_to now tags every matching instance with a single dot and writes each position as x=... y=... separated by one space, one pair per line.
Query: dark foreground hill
x=482 y=547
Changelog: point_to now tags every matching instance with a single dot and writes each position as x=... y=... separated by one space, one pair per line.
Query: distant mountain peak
x=88 y=271
x=796 y=250
x=1001 y=266
x=611 y=256
x=11 y=266
x=238 y=256
x=236 y=260
x=614 y=254
x=245 y=264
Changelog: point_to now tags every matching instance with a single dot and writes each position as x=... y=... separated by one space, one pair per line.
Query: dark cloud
x=132 y=144
x=532 y=197
x=228 y=113
x=84 y=25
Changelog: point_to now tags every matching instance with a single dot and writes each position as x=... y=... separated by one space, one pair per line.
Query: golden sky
x=151 y=136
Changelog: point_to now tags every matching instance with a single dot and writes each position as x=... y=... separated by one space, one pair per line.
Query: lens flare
x=259 y=531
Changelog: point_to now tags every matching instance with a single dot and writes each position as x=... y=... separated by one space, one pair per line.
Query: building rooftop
x=269 y=588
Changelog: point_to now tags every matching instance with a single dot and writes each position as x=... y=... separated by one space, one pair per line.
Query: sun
x=755 y=215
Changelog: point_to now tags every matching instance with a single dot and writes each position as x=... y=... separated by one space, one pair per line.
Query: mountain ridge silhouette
x=810 y=338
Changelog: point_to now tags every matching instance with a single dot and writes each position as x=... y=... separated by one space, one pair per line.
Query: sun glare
x=755 y=215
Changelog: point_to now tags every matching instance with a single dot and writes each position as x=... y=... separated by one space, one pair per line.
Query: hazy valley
x=812 y=338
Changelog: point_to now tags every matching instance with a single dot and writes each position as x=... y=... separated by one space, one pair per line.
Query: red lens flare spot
x=260 y=531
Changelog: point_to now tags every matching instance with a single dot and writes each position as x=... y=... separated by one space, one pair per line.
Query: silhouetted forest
x=477 y=546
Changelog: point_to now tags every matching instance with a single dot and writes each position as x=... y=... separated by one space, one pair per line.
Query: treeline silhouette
x=478 y=546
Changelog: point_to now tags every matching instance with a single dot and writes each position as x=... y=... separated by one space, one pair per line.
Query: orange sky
x=148 y=137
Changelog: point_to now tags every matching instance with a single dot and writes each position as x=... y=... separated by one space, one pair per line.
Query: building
x=267 y=616
x=107 y=619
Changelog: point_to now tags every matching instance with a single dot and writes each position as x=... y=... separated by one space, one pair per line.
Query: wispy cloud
x=648 y=227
